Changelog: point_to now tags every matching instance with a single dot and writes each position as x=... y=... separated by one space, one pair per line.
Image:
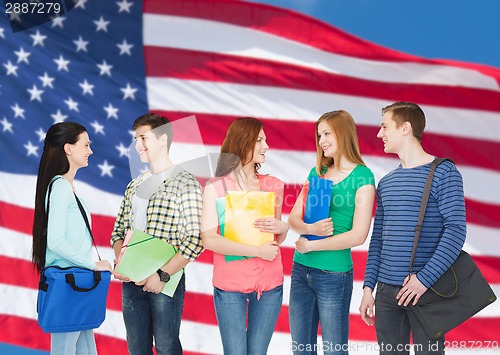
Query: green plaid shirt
x=173 y=213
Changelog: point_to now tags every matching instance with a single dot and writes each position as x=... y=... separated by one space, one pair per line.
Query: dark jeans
x=394 y=324
x=149 y=315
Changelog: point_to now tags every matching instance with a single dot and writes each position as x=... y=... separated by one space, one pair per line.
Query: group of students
x=169 y=203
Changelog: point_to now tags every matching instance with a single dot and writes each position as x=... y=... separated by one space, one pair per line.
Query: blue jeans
x=394 y=323
x=231 y=310
x=149 y=315
x=78 y=343
x=319 y=296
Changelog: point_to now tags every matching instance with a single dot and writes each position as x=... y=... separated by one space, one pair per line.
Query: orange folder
x=241 y=210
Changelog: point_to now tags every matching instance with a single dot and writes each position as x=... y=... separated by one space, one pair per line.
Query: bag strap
x=84 y=215
x=48 y=202
x=423 y=206
x=70 y=279
x=48 y=205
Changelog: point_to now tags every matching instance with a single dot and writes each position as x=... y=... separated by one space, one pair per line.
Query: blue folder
x=319 y=197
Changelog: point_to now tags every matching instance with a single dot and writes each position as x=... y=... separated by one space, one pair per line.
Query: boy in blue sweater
x=399 y=195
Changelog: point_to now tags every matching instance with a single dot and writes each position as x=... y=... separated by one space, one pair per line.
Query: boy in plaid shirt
x=165 y=202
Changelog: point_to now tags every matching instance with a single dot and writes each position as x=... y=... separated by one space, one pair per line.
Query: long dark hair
x=238 y=145
x=53 y=162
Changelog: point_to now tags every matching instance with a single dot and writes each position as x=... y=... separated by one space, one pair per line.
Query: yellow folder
x=242 y=209
x=142 y=255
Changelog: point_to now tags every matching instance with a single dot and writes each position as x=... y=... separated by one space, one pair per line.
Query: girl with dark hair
x=250 y=288
x=63 y=239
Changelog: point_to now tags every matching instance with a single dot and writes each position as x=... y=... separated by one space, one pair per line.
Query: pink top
x=252 y=274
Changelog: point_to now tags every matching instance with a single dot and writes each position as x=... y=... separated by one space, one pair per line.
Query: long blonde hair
x=343 y=126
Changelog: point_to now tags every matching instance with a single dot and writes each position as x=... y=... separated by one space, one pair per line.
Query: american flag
x=106 y=62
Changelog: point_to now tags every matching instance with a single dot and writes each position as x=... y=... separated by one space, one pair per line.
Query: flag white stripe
x=19 y=190
x=171 y=94
x=192 y=33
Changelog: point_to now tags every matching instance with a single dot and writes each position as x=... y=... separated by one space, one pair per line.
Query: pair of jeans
x=148 y=315
x=394 y=323
x=232 y=310
x=324 y=297
x=77 y=343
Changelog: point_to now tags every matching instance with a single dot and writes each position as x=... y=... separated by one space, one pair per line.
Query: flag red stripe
x=26 y=333
x=20 y=219
x=463 y=150
x=15 y=217
x=216 y=67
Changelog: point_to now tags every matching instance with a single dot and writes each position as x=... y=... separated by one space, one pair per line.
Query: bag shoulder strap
x=84 y=215
x=48 y=202
x=423 y=206
x=48 y=206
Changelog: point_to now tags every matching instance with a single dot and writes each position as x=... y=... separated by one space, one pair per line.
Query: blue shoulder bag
x=72 y=298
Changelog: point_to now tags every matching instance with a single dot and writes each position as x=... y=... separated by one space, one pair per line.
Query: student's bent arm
x=190 y=208
x=213 y=241
x=296 y=222
x=119 y=227
x=117 y=247
x=360 y=225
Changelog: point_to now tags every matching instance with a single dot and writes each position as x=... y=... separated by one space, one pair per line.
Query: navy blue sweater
x=399 y=195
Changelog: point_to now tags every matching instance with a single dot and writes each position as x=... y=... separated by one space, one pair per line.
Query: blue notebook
x=317 y=204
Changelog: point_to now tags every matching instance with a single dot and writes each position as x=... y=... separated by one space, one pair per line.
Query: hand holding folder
x=242 y=209
x=142 y=255
x=317 y=202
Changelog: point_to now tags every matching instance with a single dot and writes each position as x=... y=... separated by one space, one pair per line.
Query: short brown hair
x=159 y=125
x=408 y=112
